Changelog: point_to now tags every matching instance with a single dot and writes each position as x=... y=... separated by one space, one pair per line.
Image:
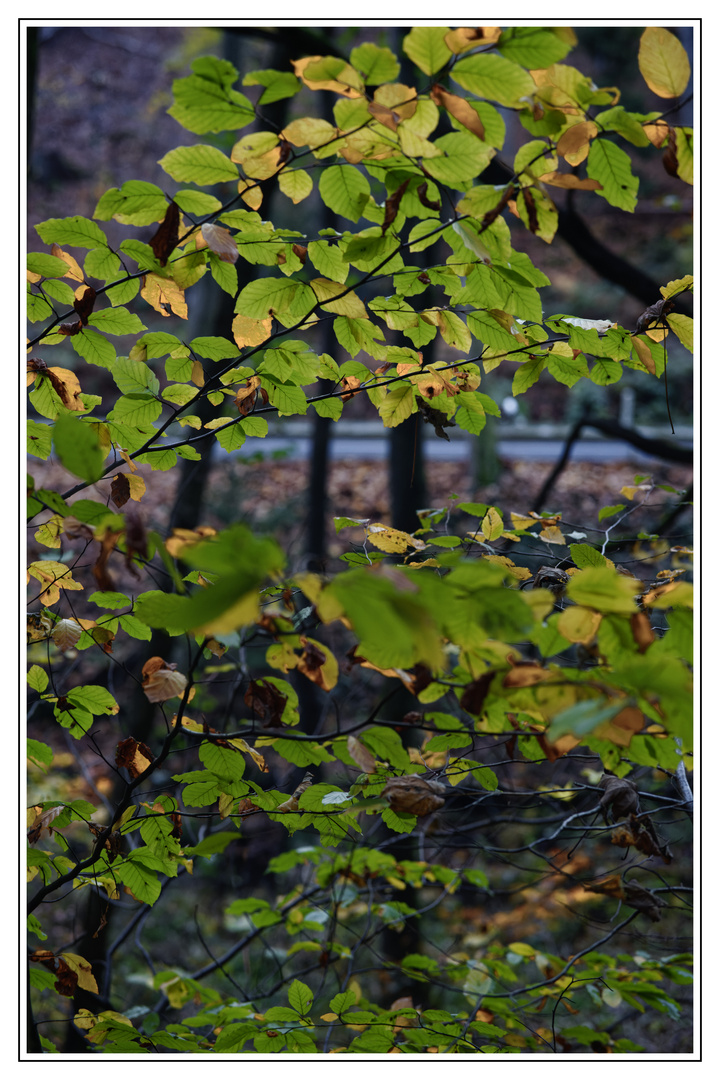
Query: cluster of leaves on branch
x=592 y=656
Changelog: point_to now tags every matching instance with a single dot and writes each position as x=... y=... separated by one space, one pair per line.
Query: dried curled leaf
x=361 y=755
x=161 y=681
x=221 y=242
x=291 y=804
x=133 y=755
x=640 y=832
x=413 y=795
x=66 y=634
x=619 y=799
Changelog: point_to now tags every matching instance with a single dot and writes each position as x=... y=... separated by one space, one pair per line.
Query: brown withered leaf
x=69 y=329
x=551 y=578
x=301 y=252
x=245 y=396
x=474 y=694
x=497 y=210
x=670 y=158
x=349 y=385
x=438 y=419
x=654 y=314
x=468 y=37
x=134 y=756
x=460 y=108
x=266 y=701
x=165 y=239
x=84 y=304
x=161 y=681
x=221 y=242
x=120 y=489
x=526 y=673
x=66 y=385
x=429 y=204
x=43 y=823
x=643 y=901
x=66 y=979
x=361 y=755
x=533 y=224
x=392 y=205
x=421 y=677
x=108 y=543
x=413 y=795
x=640 y=832
x=135 y=538
x=619 y=798
x=291 y=804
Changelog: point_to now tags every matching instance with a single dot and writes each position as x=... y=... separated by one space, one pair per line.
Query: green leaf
x=278 y=84
x=37 y=678
x=116 y=320
x=136 y=410
x=73 y=231
x=39 y=439
x=93 y=347
x=205 y=101
x=493 y=77
x=533 y=46
x=345 y=190
x=583 y=555
x=136 y=203
x=39 y=753
x=199 y=164
x=612 y=167
x=425 y=45
x=464 y=157
x=300 y=997
x=94 y=699
x=610 y=511
x=197 y=203
x=376 y=65
x=134 y=377
x=78 y=448
x=49 y=266
x=603 y=589
x=289 y=301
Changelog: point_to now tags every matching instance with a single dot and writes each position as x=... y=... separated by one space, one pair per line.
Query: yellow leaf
x=127 y=459
x=520 y=572
x=53 y=576
x=197 y=375
x=251 y=194
x=492 y=525
x=137 y=487
x=552 y=535
x=74 y=272
x=643 y=354
x=83 y=969
x=49 y=533
x=348 y=82
x=392 y=540
x=574 y=144
x=164 y=295
x=579 y=624
x=469 y=37
x=663 y=62
x=630 y=490
x=349 y=303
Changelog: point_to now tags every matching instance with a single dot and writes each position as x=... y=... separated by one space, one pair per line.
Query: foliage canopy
x=512 y=668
